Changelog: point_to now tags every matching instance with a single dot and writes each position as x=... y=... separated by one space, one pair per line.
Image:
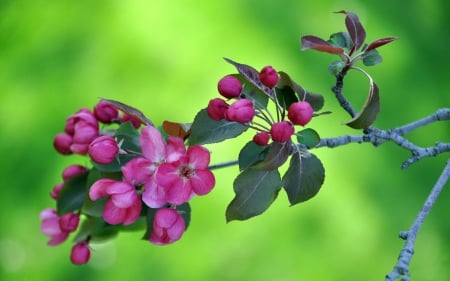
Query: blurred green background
x=166 y=58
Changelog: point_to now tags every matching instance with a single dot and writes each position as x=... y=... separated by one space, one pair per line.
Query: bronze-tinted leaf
x=355 y=29
x=130 y=111
x=370 y=110
x=318 y=44
x=380 y=42
x=177 y=129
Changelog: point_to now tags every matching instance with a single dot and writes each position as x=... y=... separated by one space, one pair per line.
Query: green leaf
x=71 y=197
x=370 y=110
x=315 y=100
x=277 y=154
x=371 y=57
x=255 y=191
x=260 y=99
x=129 y=136
x=184 y=210
x=341 y=39
x=114 y=166
x=336 y=67
x=309 y=137
x=205 y=130
x=250 y=154
x=286 y=96
x=96 y=229
x=304 y=178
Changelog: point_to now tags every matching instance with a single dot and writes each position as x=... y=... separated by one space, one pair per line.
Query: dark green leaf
x=309 y=137
x=114 y=166
x=277 y=154
x=370 y=110
x=315 y=100
x=318 y=44
x=260 y=100
x=71 y=197
x=341 y=39
x=205 y=130
x=150 y=216
x=185 y=211
x=250 y=154
x=96 y=229
x=336 y=67
x=255 y=191
x=303 y=178
x=286 y=96
x=371 y=58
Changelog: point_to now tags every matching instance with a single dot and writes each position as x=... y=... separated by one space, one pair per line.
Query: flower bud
x=216 y=109
x=80 y=253
x=168 y=227
x=261 y=138
x=282 y=131
x=84 y=134
x=134 y=121
x=105 y=112
x=269 y=76
x=62 y=143
x=300 y=113
x=56 y=190
x=229 y=87
x=84 y=115
x=69 y=222
x=103 y=150
x=240 y=111
x=72 y=171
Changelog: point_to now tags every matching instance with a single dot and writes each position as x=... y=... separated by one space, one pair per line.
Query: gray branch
x=401 y=268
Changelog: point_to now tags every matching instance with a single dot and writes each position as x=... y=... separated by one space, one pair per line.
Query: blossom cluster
x=244 y=110
x=151 y=183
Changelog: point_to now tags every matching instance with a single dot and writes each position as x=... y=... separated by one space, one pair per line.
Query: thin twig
x=401 y=268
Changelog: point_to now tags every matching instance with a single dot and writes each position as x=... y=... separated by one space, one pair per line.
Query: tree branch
x=401 y=268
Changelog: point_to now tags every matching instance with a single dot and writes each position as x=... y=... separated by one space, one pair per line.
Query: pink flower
x=84 y=115
x=105 y=112
x=62 y=143
x=57 y=228
x=187 y=176
x=262 y=138
x=282 y=131
x=103 y=150
x=300 y=113
x=72 y=171
x=82 y=127
x=83 y=135
x=80 y=253
x=229 y=87
x=240 y=111
x=269 y=76
x=216 y=109
x=124 y=205
x=168 y=227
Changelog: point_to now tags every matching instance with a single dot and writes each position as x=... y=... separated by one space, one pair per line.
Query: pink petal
x=138 y=171
x=99 y=188
x=58 y=239
x=154 y=195
x=112 y=214
x=119 y=187
x=202 y=182
x=125 y=200
x=152 y=144
x=48 y=214
x=50 y=226
x=180 y=192
x=167 y=174
x=175 y=149
x=198 y=157
x=133 y=213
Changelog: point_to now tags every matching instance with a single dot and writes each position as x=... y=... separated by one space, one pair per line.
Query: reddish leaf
x=369 y=112
x=318 y=44
x=130 y=111
x=380 y=42
x=355 y=29
x=177 y=129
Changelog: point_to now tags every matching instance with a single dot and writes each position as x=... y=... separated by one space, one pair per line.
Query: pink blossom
x=103 y=150
x=229 y=87
x=124 y=204
x=240 y=111
x=187 y=176
x=105 y=112
x=50 y=226
x=69 y=222
x=300 y=113
x=269 y=76
x=168 y=227
x=80 y=253
x=84 y=115
x=282 y=131
x=84 y=134
x=62 y=143
x=216 y=109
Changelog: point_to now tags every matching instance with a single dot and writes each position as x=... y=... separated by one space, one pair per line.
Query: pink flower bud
x=262 y=138
x=216 y=109
x=103 y=150
x=269 y=76
x=168 y=227
x=240 y=111
x=300 y=113
x=282 y=131
x=80 y=253
x=72 y=171
x=84 y=134
x=56 y=190
x=51 y=228
x=62 y=143
x=229 y=87
x=105 y=112
x=134 y=121
x=84 y=115
x=69 y=222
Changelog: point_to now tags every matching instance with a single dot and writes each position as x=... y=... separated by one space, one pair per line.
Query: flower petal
x=112 y=214
x=175 y=149
x=198 y=157
x=152 y=144
x=125 y=200
x=133 y=213
x=180 y=192
x=202 y=182
x=99 y=188
x=154 y=195
x=167 y=174
x=138 y=171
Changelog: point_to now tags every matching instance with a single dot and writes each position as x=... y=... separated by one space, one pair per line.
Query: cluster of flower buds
x=151 y=182
x=243 y=110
